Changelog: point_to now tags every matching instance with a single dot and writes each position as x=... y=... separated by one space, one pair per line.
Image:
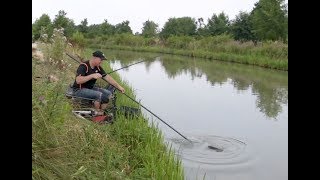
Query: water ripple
x=233 y=151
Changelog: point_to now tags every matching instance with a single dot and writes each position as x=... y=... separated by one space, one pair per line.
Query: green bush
x=178 y=42
x=78 y=39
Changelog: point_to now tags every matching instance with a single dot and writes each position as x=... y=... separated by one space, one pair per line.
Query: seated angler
x=87 y=74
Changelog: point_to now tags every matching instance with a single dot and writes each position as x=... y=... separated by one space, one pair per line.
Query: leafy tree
x=83 y=26
x=270 y=21
x=201 y=31
x=218 y=24
x=107 y=29
x=241 y=27
x=61 y=21
x=184 y=26
x=149 y=29
x=42 y=25
x=200 y=23
x=93 y=31
x=123 y=28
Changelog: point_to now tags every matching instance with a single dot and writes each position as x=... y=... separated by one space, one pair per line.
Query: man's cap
x=99 y=54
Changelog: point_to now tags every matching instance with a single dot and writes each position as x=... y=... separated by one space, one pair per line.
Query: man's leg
x=90 y=94
x=97 y=105
x=105 y=98
x=105 y=106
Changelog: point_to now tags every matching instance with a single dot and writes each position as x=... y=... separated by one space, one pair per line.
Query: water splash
x=233 y=151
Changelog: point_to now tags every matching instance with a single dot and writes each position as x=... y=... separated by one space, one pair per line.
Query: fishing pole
x=141 y=104
x=72 y=57
x=126 y=66
x=210 y=147
x=156 y=117
x=111 y=71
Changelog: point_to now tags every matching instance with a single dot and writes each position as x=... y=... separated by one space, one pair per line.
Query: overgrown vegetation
x=259 y=37
x=270 y=54
x=65 y=147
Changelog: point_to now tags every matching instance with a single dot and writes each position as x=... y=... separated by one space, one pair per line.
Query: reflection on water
x=239 y=108
x=270 y=86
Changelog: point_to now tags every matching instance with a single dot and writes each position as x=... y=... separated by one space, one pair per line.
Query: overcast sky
x=138 y=11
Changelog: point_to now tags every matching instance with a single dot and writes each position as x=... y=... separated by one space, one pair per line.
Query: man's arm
x=81 y=75
x=110 y=80
x=82 y=79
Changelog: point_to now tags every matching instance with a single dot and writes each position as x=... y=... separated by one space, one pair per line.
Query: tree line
x=267 y=21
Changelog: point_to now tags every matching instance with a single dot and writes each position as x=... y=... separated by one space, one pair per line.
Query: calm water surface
x=239 y=108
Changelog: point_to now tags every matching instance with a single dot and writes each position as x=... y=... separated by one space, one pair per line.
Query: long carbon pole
x=126 y=66
x=111 y=71
x=72 y=57
x=157 y=117
x=143 y=106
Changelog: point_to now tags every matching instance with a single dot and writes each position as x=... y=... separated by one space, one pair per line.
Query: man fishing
x=87 y=74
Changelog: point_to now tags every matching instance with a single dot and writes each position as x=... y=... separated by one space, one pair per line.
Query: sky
x=138 y=11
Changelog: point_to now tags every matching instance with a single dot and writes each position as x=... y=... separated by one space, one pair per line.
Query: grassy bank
x=272 y=55
x=66 y=147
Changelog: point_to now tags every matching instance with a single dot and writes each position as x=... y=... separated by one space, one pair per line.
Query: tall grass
x=65 y=147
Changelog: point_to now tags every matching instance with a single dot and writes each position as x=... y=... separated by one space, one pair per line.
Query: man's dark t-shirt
x=82 y=70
